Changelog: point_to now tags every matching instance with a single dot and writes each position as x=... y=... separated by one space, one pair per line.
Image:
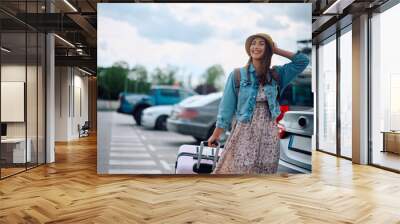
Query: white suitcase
x=193 y=159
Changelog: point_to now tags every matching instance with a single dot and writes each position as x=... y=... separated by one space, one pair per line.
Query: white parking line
x=128 y=146
x=132 y=163
x=130 y=155
x=151 y=147
x=165 y=165
x=125 y=137
x=133 y=171
x=128 y=149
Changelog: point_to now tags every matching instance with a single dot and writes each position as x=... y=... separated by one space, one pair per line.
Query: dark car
x=196 y=118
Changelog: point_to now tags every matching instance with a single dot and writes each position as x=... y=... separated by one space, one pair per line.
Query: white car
x=156 y=117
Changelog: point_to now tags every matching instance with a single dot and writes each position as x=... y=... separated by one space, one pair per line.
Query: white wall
x=33 y=126
x=16 y=73
x=80 y=96
x=12 y=101
x=62 y=81
x=13 y=73
x=71 y=87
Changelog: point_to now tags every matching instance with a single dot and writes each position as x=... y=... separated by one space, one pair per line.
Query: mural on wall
x=171 y=102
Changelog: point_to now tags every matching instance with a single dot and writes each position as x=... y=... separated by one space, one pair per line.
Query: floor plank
x=70 y=191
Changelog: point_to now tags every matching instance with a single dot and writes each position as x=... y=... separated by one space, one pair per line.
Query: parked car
x=196 y=118
x=134 y=104
x=156 y=116
x=297 y=125
x=295 y=132
x=186 y=101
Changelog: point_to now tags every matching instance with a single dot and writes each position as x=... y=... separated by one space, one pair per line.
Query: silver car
x=196 y=118
x=297 y=124
x=296 y=130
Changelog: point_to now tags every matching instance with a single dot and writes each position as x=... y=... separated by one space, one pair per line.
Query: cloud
x=191 y=36
x=272 y=23
x=299 y=12
x=128 y=45
x=296 y=12
x=157 y=23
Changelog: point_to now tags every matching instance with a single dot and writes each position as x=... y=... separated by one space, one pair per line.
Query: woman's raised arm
x=289 y=71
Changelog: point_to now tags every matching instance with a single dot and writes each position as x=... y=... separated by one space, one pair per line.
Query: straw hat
x=262 y=35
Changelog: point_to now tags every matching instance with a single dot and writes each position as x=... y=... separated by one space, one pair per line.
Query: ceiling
x=332 y=15
x=74 y=21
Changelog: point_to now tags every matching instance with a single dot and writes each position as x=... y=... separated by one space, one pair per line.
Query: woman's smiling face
x=257 y=48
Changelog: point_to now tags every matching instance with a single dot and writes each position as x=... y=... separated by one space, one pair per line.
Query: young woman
x=253 y=146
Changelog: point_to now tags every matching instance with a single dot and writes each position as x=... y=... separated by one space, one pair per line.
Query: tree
x=204 y=89
x=112 y=81
x=122 y=64
x=165 y=76
x=212 y=80
x=213 y=74
x=140 y=73
x=138 y=79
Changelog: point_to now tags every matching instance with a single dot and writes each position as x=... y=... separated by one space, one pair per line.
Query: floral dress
x=252 y=147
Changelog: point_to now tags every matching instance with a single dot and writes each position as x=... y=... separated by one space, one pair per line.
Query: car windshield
x=169 y=92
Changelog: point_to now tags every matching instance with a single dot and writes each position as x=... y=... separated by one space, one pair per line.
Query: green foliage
x=213 y=74
x=120 y=78
x=213 y=77
x=111 y=82
x=134 y=86
x=165 y=76
x=121 y=64
x=139 y=73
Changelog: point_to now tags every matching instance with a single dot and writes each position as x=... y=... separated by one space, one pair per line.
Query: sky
x=193 y=37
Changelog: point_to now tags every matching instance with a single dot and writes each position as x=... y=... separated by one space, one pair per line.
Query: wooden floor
x=70 y=191
x=10 y=171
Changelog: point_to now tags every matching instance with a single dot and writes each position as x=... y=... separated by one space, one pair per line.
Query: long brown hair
x=263 y=74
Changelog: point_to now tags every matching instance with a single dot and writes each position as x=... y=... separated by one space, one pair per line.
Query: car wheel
x=161 y=123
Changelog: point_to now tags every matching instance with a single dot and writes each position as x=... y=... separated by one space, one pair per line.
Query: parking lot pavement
x=132 y=149
x=125 y=148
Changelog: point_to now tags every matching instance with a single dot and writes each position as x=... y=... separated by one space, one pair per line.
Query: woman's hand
x=274 y=47
x=281 y=52
x=212 y=141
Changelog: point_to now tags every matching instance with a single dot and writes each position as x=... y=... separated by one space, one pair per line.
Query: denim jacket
x=243 y=104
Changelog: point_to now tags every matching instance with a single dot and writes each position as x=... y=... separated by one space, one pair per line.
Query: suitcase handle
x=200 y=153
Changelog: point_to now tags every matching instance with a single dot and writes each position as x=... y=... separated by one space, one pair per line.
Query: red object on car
x=284 y=109
x=282 y=132
x=188 y=113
